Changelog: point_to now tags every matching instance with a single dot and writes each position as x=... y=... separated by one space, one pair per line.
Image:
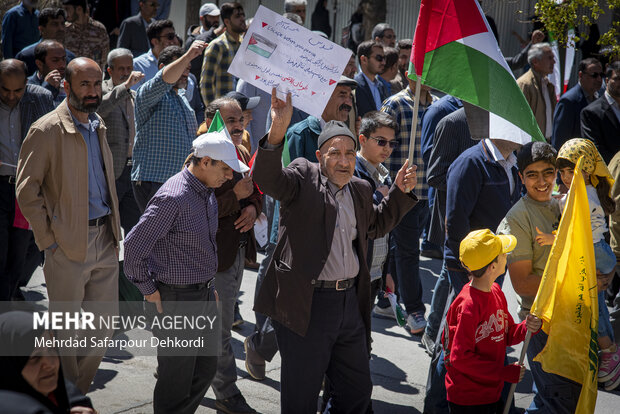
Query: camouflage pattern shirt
x=90 y=40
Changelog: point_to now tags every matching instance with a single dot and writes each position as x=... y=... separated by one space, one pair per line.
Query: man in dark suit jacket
x=32 y=102
x=132 y=34
x=566 y=119
x=600 y=121
x=317 y=288
x=370 y=92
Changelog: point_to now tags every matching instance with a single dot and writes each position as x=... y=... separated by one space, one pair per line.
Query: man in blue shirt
x=165 y=123
x=20 y=28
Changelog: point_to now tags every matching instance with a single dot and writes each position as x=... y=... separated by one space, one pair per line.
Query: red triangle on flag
x=313 y=93
x=252 y=41
x=264 y=24
x=331 y=82
x=257 y=77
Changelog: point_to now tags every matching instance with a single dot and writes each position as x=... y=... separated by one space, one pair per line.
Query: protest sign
x=277 y=52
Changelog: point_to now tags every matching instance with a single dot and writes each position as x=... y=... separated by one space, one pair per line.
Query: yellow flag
x=567 y=300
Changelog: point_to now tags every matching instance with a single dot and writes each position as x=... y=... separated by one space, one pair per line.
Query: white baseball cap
x=209 y=9
x=217 y=146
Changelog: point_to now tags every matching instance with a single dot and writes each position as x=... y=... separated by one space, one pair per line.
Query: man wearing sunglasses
x=384 y=34
x=566 y=121
x=161 y=34
x=133 y=29
x=370 y=92
x=600 y=121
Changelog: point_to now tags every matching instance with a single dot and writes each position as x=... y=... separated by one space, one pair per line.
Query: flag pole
x=513 y=387
x=414 y=125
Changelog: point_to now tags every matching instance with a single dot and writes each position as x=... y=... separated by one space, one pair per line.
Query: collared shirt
x=90 y=39
x=20 y=28
x=548 y=110
x=507 y=164
x=215 y=81
x=10 y=141
x=342 y=262
x=589 y=98
x=374 y=89
x=174 y=241
x=98 y=195
x=165 y=129
x=400 y=106
x=614 y=105
x=147 y=64
x=378 y=173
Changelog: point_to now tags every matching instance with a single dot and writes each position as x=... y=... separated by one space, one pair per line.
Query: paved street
x=399 y=365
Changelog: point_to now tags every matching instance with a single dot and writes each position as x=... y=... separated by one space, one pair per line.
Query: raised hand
x=196 y=49
x=281 y=114
x=135 y=77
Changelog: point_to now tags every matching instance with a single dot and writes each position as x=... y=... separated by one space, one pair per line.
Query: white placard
x=277 y=52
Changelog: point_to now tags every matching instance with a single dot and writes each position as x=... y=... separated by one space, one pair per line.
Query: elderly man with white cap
x=171 y=255
x=209 y=28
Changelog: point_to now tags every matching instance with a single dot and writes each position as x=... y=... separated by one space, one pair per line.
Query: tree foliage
x=558 y=15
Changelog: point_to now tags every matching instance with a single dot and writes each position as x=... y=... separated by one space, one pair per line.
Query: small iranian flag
x=454 y=51
x=218 y=125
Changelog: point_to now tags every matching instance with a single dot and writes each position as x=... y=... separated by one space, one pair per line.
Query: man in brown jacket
x=538 y=91
x=317 y=288
x=65 y=189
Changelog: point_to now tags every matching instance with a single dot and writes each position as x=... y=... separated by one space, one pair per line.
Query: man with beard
x=404 y=53
x=215 y=81
x=302 y=137
x=51 y=60
x=85 y=36
x=208 y=29
x=65 y=189
x=165 y=123
x=118 y=112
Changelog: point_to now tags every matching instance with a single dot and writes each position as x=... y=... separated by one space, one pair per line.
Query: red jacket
x=479 y=330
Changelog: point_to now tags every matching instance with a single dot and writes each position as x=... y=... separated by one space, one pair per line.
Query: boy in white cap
x=479 y=328
x=171 y=255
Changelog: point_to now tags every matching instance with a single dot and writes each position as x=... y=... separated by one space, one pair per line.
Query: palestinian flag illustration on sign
x=261 y=46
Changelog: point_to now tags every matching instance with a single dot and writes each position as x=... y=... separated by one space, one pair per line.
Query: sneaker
x=237 y=319
x=234 y=405
x=428 y=344
x=383 y=313
x=254 y=363
x=613 y=383
x=416 y=322
x=609 y=364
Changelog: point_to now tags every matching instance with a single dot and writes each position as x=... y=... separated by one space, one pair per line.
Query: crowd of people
x=105 y=142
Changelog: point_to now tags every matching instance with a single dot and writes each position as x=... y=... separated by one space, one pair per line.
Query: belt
x=342 y=284
x=8 y=178
x=98 y=221
x=194 y=286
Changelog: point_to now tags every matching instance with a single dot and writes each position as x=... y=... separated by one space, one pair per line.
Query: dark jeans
x=182 y=380
x=127 y=206
x=143 y=191
x=405 y=247
x=14 y=242
x=334 y=345
x=495 y=408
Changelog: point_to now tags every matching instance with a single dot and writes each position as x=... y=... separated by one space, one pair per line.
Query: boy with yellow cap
x=479 y=328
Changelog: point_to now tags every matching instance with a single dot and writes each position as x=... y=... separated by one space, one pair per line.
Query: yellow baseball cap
x=480 y=247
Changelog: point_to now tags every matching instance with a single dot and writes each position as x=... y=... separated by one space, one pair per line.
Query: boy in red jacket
x=479 y=328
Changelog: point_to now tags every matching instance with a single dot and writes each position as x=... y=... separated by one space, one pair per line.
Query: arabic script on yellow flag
x=567 y=299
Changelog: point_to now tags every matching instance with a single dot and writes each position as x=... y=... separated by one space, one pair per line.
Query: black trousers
x=127 y=206
x=182 y=380
x=335 y=346
x=495 y=408
x=143 y=191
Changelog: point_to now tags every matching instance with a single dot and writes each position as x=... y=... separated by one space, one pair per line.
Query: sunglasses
x=596 y=75
x=382 y=142
x=379 y=58
x=169 y=36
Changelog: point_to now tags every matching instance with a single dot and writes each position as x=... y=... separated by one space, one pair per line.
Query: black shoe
x=237 y=319
x=432 y=254
x=234 y=405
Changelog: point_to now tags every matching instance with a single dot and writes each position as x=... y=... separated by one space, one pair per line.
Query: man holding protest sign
x=320 y=306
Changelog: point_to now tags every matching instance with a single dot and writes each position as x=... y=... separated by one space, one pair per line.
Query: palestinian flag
x=454 y=51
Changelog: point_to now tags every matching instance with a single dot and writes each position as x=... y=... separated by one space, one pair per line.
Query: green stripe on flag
x=217 y=124
x=472 y=76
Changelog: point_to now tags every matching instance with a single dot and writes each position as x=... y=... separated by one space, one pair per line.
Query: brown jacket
x=307 y=222
x=531 y=86
x=229 y=210
x=52 y=183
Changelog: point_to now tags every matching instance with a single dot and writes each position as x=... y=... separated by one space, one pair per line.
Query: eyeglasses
x=389 y=36
x=382 y=142
x=379 y=58
x=169 y=36
x=596 y=75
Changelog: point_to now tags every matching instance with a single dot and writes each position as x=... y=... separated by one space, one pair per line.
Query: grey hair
x=289 y=4
x=293 y=17
x=116 y=53
x=536 y=51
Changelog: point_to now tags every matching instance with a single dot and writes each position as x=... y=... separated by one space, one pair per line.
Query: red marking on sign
x=313 y=93
x=264 y=24
x=331 y=82
x=253 y=41
x=257 y=77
